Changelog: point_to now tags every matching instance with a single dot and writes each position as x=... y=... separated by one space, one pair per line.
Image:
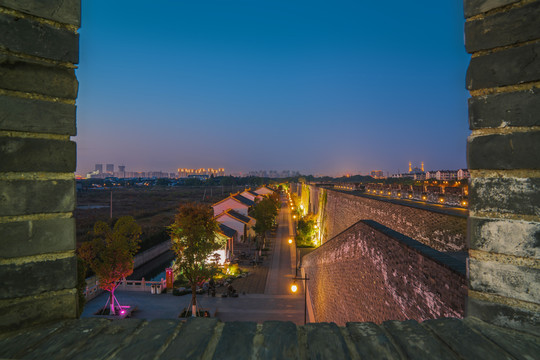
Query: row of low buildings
x=232 y=214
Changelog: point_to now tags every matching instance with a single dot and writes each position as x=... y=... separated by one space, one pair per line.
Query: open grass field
x=153 y=208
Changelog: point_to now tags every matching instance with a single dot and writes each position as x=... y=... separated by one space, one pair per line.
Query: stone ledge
x=210 y=339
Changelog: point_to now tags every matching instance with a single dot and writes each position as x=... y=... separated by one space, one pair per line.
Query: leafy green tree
x=194 y=240
x=110 y=254
x=265 y=213
x=306 y=231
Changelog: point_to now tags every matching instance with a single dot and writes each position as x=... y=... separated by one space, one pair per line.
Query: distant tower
x=110 y=168
x=99 y=168
x=423 y=166
x=122 y=170
x=410 y=166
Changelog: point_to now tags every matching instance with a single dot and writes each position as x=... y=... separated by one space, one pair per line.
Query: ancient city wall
x=388 y=277
x=439 y=230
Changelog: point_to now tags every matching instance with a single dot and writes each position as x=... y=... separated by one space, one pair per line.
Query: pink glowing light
x=122 y=312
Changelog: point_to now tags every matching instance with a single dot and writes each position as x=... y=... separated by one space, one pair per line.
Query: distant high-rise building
x=377 y=174
x=110 y=168
x=121 y=168
x=184 y=173
x=99 y=168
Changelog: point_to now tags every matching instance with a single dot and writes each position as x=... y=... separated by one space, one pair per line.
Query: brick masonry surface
x=439 y=230
x=210 y=339
x=388 y=277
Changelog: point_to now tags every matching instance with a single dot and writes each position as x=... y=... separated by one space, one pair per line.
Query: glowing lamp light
x=122 y=312
x=424 y=197
x=410 y=196
x=441 y=200
x=316 y=226
x=290 y=241
x=294 y=217
x=464 y=203
x=294 y=288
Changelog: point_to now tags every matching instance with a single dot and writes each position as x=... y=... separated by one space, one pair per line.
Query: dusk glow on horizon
x=324 y=88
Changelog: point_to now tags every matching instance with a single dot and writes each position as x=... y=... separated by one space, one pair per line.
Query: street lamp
x=294 y=289
x=290 y=241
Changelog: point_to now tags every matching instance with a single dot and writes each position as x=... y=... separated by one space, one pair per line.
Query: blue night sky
x=322 y=87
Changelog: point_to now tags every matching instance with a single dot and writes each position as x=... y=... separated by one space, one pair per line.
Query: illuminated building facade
x=184 y=173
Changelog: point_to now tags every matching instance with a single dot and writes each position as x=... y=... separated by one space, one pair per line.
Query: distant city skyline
x=322 y=88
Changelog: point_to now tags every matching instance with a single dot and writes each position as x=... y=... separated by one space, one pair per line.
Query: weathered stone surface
x=502 y=29
x=520 y=150
x=64 y=11
x=519 y=196
x=280 y=341
x=518 y=282
x=475 y=7
x=371 y=342
x=520 y=108
x=324 y=341
x=464 y=341
x=156 y=333
x=519 y=345
x=15 y=343
x=16 y=74
x=20 y=197
x=33 y=310
x=36 y=277
x=111 y=338
x=417 y=342
x=38 y=39
x=504 y=315
x=25 y=238
x=507 y=67
x=37 y=116
x=234 y=332
x=28 y=154
x=192 y=340
x=518 y=238
x=70 y=337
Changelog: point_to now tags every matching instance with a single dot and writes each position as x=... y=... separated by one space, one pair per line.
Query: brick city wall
x=503 y=154
x=39 y=46
x=439 y=230
x=388 y=277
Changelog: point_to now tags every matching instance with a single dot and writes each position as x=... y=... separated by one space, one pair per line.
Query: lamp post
x=294 y=289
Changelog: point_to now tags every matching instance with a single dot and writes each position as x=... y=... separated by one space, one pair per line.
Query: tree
x=306 y=231
x=194 y=239
x=265 y=213
x=110 y=254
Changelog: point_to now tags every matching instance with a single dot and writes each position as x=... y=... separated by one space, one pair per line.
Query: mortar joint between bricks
x=36 y=96
x=499 y=10
x=502 y=48
x=36 y=59
x=56 y=24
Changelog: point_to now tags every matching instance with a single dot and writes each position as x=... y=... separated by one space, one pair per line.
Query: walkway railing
x=128 y=285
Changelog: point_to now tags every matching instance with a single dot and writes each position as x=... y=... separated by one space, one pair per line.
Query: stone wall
x=371 y=273
x=503 y=78
x=39 y=46
x=440 y=230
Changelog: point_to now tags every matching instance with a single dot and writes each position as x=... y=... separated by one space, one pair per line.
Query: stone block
x=502 y=29
x=26 y=238
x=19 y=75
x=371 y=341
x=506 y=67
x=417 y=342
x=465 y=341
x=64 y=11
x=159 y=331
x=512 y=237
x=518 y=108
x=512 y=281
x=21 y=197
x=517 y=196
x=192 y=340
x=111 y=338
x=280 y=341
x=18 y=313
x=68 y=339
x=325 y=341
x=33 y=115
x=504 y=315
x=516 y=344
x=520 y=150
x=32 y=278
x=15 y=344
x=30 y=154
x=233 y=333
x=475 y=7
x=38 y=39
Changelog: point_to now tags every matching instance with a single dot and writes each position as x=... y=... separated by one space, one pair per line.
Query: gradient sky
x=322 y=87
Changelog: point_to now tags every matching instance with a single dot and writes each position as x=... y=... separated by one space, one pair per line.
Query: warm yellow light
x=294 y=288
x=464 y=203
x=294 y=217
x=290 y=241
x=316 y=226
x=410 y=196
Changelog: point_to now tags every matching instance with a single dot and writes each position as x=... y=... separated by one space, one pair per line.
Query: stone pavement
x=204 y=338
